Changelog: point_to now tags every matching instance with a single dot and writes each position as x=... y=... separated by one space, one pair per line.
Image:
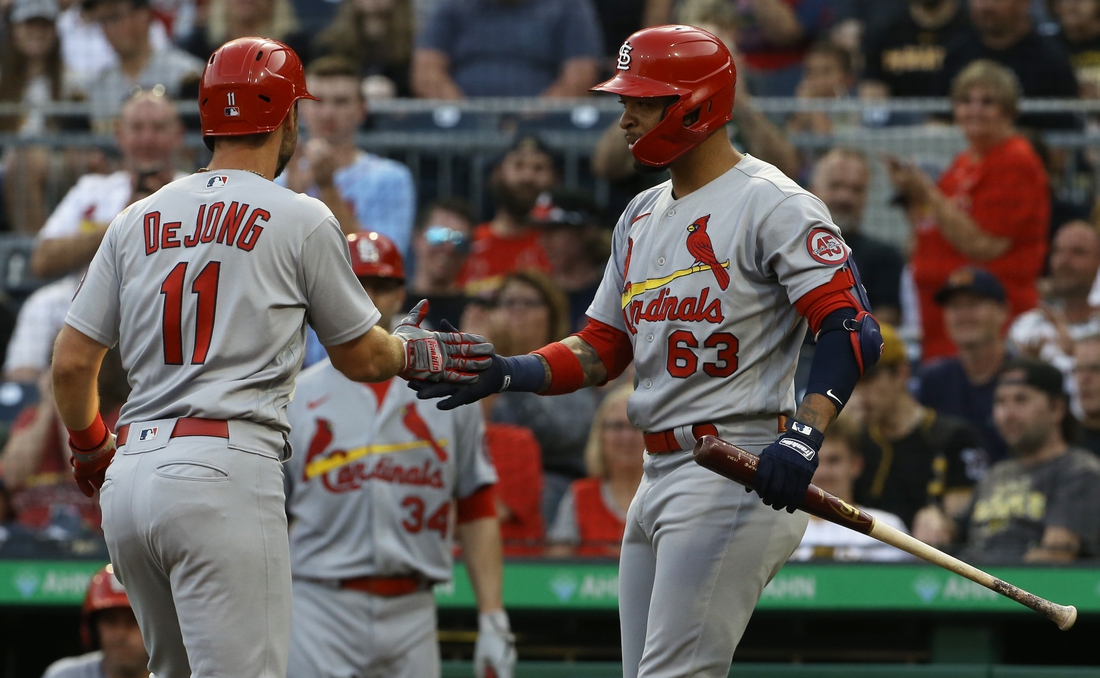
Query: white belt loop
x=684 y=437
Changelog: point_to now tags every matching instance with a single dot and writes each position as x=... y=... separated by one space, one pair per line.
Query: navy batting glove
x=787 y=465
x=488 y=382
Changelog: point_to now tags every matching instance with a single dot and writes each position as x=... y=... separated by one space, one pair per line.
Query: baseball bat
x=738 y=465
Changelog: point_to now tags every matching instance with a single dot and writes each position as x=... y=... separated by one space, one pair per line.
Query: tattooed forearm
x=593 y=367
x=817 y=411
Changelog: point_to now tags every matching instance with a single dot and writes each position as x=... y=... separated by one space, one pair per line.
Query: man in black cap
x=577 y=246
x=508 y=243
x=1043 y=503
x=974 y=314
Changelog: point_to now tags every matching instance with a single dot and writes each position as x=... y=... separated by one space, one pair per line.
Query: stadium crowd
x=979 y=429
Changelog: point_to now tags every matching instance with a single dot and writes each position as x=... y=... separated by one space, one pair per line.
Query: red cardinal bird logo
x=322 y=437
x=419 y=428
x=698 y=243
x=626 y=266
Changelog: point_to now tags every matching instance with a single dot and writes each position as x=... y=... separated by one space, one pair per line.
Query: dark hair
x=13 y=74
x=454 y=205
x=557 y=304
x=333 y=66
x=345 y=37
x=833 y=50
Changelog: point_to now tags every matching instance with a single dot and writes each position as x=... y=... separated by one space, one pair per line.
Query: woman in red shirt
x=591 y=517
x=990 y=209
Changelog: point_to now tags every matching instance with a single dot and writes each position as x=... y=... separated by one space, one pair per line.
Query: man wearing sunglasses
x=441 y=244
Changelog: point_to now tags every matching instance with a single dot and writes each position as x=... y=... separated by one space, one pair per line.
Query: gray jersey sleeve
x=473 y=467
x=96 y=310
x=339 y=310
x=799 y=245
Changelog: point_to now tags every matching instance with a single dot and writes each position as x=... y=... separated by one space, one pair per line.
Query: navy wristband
x=812 y=434
x=524 y=373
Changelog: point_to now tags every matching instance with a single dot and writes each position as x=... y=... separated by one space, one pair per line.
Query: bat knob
x=1068 y=618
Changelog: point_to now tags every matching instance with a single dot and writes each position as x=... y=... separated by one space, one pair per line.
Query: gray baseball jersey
x=371 y=486
x=85 y=666
x=214 y=277
x=705 y=286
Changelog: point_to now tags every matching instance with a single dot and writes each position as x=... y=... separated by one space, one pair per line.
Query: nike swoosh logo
x=830 y=394
x=314 y=404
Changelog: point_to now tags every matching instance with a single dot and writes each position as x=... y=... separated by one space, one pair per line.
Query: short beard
x=286 y=150
x=1029 y=443
x=518 y=203
x=847 y=224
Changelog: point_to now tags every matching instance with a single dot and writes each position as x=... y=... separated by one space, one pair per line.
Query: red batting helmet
x=105 y=592
x=375 y=255
x=681 y=61
x=248 y=87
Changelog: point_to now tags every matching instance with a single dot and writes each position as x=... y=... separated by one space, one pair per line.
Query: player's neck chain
x=207 y=169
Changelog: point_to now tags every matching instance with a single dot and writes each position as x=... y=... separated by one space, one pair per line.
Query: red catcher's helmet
x=105 y=592
x=248 y=87
x=375 y=255
x=681 y=61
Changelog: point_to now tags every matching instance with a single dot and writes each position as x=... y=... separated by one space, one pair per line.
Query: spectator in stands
x=35 y=460
x=31 y=73
x=1042 y=504
x=110 y=629
x=904 y=56
x=840 y=463
x=842 y=178
x=827 y=73
x=1086 y=375
x=376 y=35
x=85 y=49
x=364 y=191
x=990 y=208
x=974 y=312
x=913 y=455
x=518 y=492
x=533 y=311
x=508 y=242
x=774 y=37
x=168 y=70
x=230 y=19
x=576 y=244
x=1003 y=31
x=485 y=48
x=149 y=136
x=591 y=517
x=1080 y=37
x=1048 y=332
x=441 y=245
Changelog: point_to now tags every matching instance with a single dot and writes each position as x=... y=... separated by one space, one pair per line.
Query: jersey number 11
x=205 y=287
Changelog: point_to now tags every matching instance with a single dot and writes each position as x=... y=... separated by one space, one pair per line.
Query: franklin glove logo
x=801 y=448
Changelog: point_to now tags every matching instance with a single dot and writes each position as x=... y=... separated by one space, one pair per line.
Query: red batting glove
x=90 y=466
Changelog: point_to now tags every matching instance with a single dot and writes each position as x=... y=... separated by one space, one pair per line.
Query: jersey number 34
x=205 y=288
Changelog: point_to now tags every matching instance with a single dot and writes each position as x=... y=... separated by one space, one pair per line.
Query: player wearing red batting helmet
x=108 y=628
x=686 y=67
x=713 y=279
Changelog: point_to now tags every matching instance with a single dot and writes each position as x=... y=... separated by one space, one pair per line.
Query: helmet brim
x=628 y=85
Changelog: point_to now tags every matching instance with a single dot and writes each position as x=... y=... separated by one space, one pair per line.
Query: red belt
x=185 y=427
x=387 y=586
x=663 y=442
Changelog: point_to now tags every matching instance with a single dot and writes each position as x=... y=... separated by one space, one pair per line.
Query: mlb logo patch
x=232 y=112
x=148 y=434
x=217 y=181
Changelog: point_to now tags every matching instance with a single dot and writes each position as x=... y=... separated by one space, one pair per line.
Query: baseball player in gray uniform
x=370 y=497
x=713 y=278
x=207 y=286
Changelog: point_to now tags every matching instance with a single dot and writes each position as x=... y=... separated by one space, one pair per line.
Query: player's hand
x=495 y=651
x=90 y=466
x=786 y=467
x=456 y=395
x=451 y=356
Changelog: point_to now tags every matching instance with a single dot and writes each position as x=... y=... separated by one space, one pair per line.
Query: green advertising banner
x=595 y=586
